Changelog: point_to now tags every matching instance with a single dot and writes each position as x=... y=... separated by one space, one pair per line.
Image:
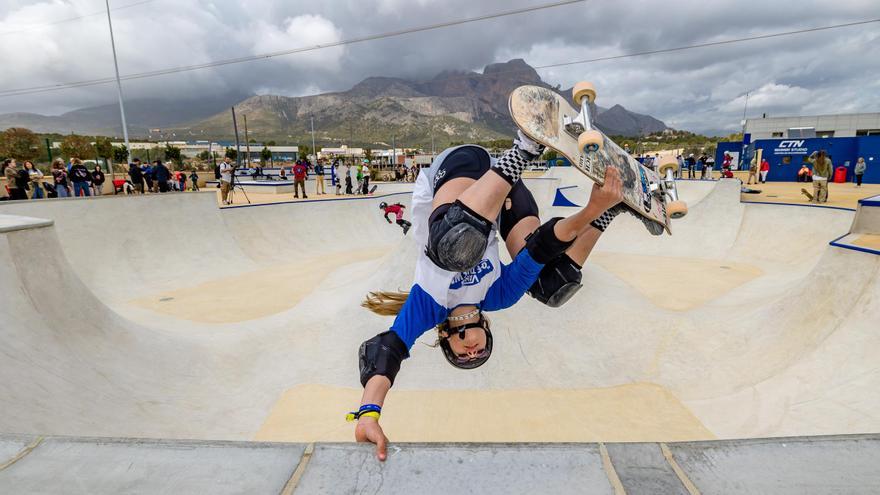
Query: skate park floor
x=168 y=319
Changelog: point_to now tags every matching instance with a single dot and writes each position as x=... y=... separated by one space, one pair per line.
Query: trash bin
x=840 y=175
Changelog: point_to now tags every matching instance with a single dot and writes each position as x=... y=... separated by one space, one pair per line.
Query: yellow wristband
x=371 y=414
x=351 y=417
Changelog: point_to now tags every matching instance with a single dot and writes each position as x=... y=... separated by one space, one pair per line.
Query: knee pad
x=543 y=245
x=458 y=238
x=522 y=205
x=558 y=282
x=382 y=355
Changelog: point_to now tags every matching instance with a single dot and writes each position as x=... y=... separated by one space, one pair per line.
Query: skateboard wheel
x=590 y=141
x=583 y=89
x=667 y=164
x=677 y=209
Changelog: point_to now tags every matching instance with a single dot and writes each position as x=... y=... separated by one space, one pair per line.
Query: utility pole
x=237 y=143
x=393 y=150
x=118 y=85
x=247 y=143
x=314 y=150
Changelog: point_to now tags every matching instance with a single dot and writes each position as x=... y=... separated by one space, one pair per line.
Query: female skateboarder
x=459 y=276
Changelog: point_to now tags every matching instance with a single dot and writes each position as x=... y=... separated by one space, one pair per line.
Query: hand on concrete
x=608 y=195
x=369 y=430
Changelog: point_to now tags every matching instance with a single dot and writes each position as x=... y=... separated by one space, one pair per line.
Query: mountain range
x=453 y=106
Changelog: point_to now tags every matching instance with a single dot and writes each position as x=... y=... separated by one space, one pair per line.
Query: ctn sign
x=791 y=147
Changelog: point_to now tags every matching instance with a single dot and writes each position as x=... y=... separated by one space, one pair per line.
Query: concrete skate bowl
x=164 y=317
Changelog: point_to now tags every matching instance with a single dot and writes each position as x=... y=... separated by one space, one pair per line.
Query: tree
x=231 y=153
x=74 y=146
x=120 y=154
x=204 y=156
x=104 y=148
x=270 y=143
x=368 y=154
x=19 y=143
x=304 y=151
x=265 y=155
x=173 y=153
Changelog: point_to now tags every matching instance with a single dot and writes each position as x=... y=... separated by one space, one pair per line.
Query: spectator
x=226 y=170
x=692 y=166
x=319 y=178
x=59 y=177
x=861 y=166
x=805 y=174
x=300 y=174
x=161 y=176
x=35 y=178
x=753 y=170
x=366 y=172
x=181 y=180
x=147 y=173
x=415 y=171
x=822 y=168
x=98 y=180
x=13 y=180
x=136 y=175
x=702 y=162
x=194 y=178
x=81 y=178
x=681 y=166
x=709 y=167
x=765 y=169
x=343 y=176
x=359 y=174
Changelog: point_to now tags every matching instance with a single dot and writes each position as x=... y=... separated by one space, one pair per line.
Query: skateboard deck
x=541 y=114
x=807 y=194
x=373 y=189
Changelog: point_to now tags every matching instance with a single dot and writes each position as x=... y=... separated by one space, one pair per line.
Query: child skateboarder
x=395 y=209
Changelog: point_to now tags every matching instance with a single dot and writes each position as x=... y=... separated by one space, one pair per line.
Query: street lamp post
x=742 y=154
x=118 y=86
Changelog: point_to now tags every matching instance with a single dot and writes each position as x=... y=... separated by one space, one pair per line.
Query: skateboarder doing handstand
x=395 y=209
x=459 y=276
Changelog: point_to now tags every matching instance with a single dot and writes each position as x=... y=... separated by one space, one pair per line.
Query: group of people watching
x=402 y=173
x=156 y=177
x=72 y=179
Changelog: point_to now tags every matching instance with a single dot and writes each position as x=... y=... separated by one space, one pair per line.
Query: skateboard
x=373 y=189
x=546 y=117
x=807 y=194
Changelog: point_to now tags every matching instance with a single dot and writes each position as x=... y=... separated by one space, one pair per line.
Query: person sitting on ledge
x=805 y=174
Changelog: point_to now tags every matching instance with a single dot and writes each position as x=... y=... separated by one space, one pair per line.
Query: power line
x=174 y=70
x=712 y=43
x=31 y=27
x=219 y=63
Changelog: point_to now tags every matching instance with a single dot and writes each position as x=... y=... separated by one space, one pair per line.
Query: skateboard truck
x=589 y=139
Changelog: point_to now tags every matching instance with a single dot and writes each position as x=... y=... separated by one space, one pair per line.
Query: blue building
x=786 y=155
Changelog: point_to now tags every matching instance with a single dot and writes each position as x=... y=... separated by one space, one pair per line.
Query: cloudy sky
x=701 y=90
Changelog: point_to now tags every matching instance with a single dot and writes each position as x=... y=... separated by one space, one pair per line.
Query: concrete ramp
x=819 y=465
x=165 y=317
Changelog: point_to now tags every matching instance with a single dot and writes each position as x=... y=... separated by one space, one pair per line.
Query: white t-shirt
x=226 y=172
x=448 y=289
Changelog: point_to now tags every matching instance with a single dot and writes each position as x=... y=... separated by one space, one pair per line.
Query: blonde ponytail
x=385 y=303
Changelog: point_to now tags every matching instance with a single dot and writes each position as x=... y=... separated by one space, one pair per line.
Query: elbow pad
x=382 y=355
x=543 y=245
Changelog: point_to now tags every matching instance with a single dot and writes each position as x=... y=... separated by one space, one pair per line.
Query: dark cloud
x=702 y=89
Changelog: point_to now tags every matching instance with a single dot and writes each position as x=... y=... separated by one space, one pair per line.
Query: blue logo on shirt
x=472 y=276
